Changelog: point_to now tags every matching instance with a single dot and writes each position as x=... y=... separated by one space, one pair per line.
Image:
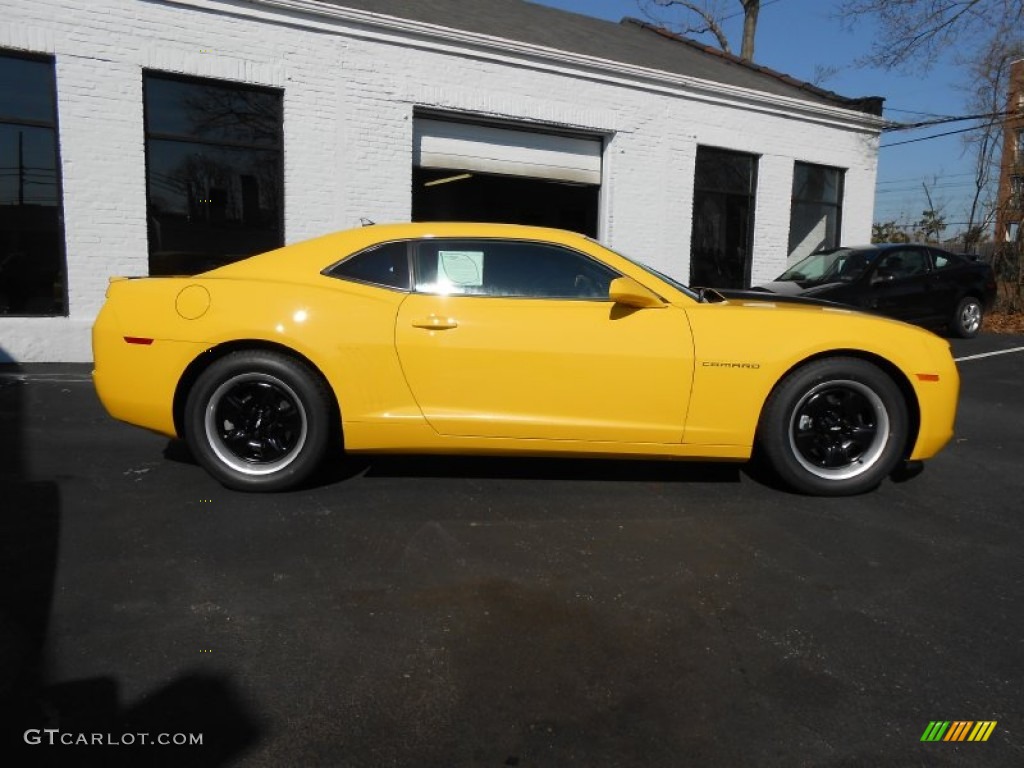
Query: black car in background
x=915 y=283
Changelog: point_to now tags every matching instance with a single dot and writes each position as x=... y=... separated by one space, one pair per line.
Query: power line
x=911 y=225
x=743 y=13
x=912 y=190
x=951 y=119
x=933 y=136
x=915 y=112
x=721 y=18
x=937 y=183
x=919 y=179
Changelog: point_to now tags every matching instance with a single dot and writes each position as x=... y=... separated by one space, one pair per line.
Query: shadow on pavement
x=33 y=712
x=29 y=536
x=339 y=469
x=544 y=469
x=196 y=720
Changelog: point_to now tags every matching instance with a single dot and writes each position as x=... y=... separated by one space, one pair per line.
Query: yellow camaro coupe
x=501 y=339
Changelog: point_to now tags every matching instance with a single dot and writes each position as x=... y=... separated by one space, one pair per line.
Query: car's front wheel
x=834 y=427
x=258 y=420
x=967 y=319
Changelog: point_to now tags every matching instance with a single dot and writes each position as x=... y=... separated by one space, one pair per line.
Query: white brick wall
x=771 y=217
x=348 y=113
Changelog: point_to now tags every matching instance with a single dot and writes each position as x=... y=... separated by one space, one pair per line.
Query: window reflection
x=721 y=244
x=214 y=173
x=386 y=264
x=817 y=208
x=32 y=266
x=26 y=90
x=508 y=269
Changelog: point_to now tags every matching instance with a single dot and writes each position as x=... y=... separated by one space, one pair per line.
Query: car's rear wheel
x=834 y=427
x=258 y=420
x=967 y=319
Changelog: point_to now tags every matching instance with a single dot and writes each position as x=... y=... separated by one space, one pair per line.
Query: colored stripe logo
x=958 y=730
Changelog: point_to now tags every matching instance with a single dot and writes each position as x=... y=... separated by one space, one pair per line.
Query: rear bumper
x=136 y=381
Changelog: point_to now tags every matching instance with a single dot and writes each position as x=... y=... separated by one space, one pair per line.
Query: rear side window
x=386 y=265
x=945 y=260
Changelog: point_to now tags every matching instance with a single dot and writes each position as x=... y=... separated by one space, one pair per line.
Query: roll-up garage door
x=504 y=151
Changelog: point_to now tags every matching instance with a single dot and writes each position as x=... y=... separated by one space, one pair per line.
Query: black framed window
x=386 y=265
x=214 y=172
x=816 y=215
x=33 y=269
x=722 y=240
x=510 y=269
x=903 y=263
x=943 y=260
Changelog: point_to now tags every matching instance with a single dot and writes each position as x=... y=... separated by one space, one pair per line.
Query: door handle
x=435 y=323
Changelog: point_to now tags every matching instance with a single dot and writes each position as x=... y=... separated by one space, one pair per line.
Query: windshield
x=663 y=277
x=840 y=265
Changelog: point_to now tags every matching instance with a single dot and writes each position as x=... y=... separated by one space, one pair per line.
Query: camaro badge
x=714 y=364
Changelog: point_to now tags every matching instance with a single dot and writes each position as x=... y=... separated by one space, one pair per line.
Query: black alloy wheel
x=834 y=427
x=258 y=420
x=256 y=423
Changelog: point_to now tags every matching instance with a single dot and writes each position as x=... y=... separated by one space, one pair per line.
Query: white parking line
x=989 y=354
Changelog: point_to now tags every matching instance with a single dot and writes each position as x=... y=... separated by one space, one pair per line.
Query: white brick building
x=703 y=167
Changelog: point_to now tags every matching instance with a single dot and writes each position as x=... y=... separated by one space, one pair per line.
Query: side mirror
x=627 y=291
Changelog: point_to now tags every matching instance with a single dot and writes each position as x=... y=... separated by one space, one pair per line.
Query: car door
x=518 y=339
x=946 y=280
x=899 y=286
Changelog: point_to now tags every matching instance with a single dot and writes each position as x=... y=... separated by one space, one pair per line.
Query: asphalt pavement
x=501 y=612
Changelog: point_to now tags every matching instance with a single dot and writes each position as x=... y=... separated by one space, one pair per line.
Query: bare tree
x=823 y=73
x=933 y=218
x=750 y=10
x=706 y=17
x=986 y=87
x=913 y=34
x=981 y=36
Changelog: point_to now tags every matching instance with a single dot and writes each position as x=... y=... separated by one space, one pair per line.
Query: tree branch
x=709 y=23
x=914 y=33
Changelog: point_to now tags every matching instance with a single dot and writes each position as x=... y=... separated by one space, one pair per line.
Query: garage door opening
x=454 y=194
x=465 y=171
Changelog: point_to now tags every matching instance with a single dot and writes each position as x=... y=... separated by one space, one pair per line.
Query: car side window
x=508 y=269
x=903 y=263
x=386 y=265
x=943 y=260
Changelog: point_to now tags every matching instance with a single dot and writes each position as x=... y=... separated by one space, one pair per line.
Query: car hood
x=770 y=295
x=794 y=288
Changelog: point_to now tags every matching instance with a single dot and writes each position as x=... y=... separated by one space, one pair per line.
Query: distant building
x=150 y=137
x=1010 y=210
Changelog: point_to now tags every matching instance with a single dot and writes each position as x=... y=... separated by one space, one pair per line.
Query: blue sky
x=796 y=37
